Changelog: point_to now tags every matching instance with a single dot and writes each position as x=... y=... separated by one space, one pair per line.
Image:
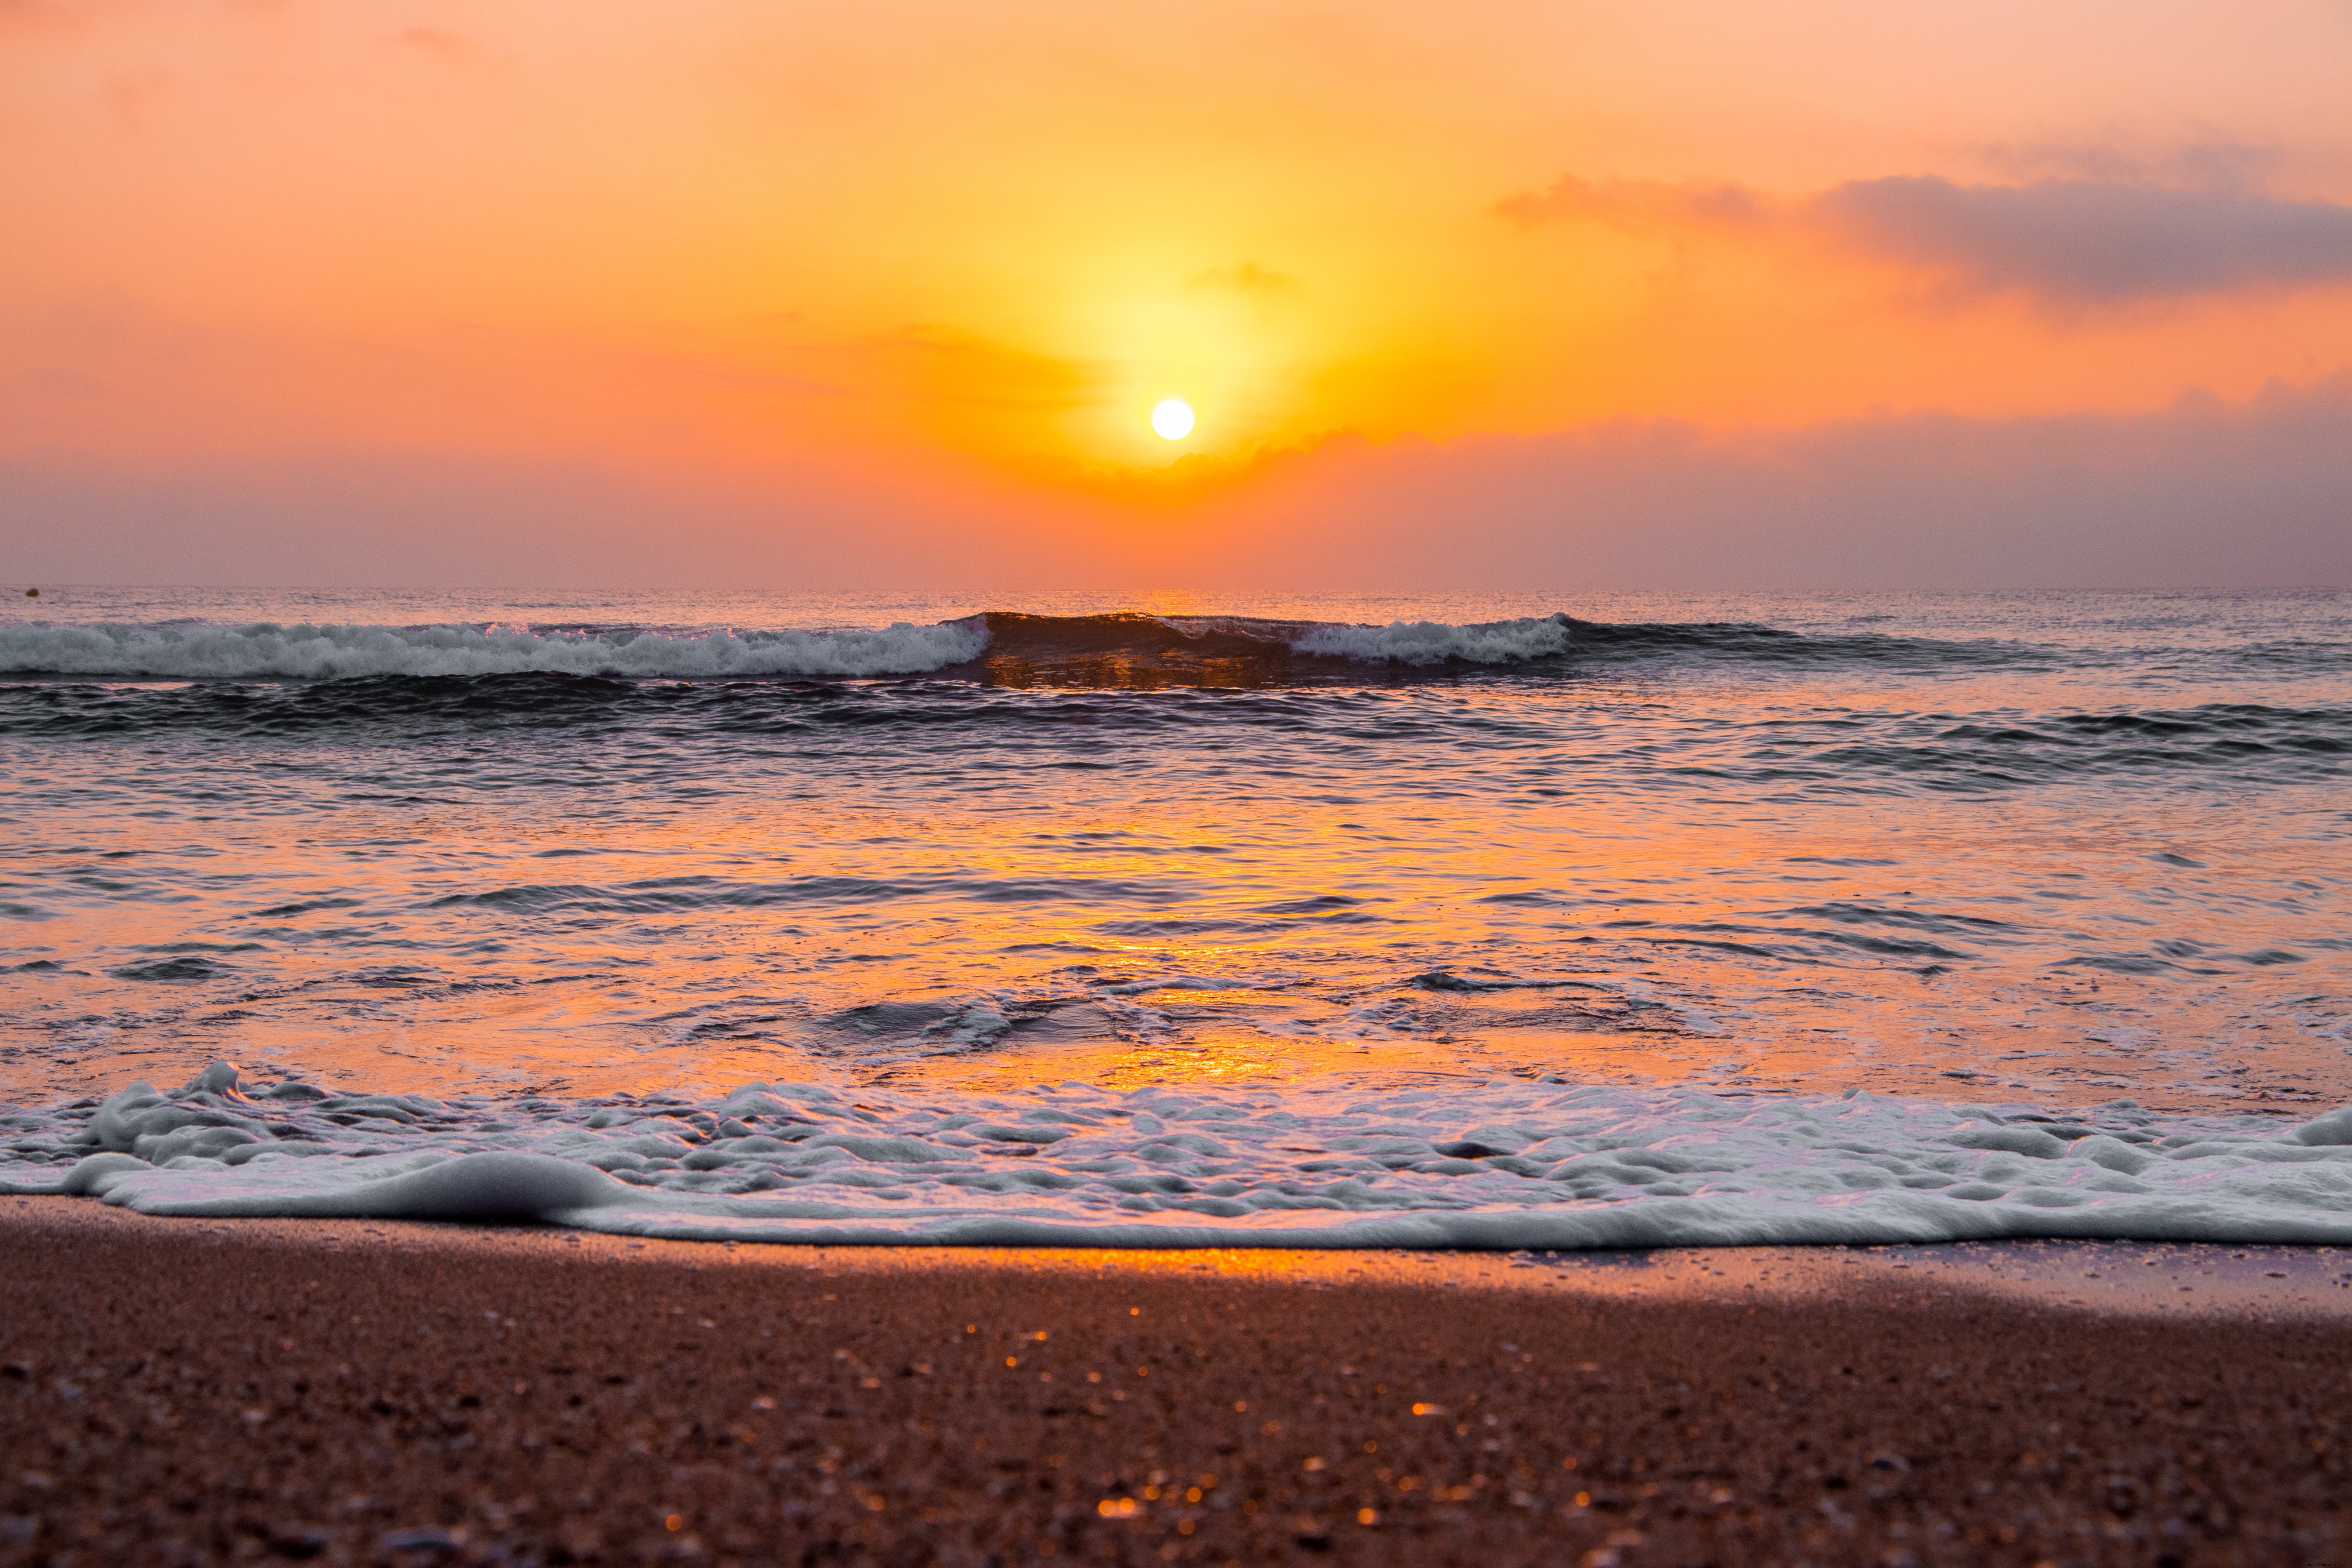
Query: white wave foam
x=329 y=652
x=269 y=651
x=1506 y=1164
x=1436 y=642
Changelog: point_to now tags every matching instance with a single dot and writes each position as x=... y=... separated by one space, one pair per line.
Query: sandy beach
x=342 y=1391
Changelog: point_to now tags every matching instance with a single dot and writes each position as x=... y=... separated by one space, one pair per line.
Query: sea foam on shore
x=1509 y=1164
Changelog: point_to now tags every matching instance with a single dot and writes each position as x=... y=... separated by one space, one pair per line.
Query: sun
x=1172 y=419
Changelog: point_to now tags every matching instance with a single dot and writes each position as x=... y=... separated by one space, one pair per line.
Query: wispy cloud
x=2068 y=242
x=1249 y=278
x=1642 y=206
x=2090 y=242
x=2213 y=163
x=40 y=15
x=2201 y=494
x=450 y=48
x=940 y=364
x=23 y=18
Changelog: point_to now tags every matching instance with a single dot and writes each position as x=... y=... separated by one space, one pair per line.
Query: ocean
x=1538 y=920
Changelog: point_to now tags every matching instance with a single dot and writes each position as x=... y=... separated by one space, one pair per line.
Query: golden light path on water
x=1081 y=861
x=1123 y=932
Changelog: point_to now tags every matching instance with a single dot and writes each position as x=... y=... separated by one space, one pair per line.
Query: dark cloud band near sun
x=2071 y=242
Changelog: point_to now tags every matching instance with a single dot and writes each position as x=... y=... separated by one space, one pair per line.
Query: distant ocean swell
x=1504 y=1165
x=1840 y=752
x=302 y=652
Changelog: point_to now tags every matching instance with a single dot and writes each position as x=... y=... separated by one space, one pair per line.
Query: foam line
x=1504 y=1165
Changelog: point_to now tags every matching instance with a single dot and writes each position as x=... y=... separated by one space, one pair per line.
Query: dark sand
x=180 y=1390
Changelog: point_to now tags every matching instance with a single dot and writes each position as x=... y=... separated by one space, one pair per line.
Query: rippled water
x=2047 y=850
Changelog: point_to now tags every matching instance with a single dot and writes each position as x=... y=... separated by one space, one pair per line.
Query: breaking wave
x=1414 y=644
x=998 y=645
x=272 y=652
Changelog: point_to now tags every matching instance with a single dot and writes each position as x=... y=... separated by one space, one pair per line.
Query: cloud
x=2212 y=163
x=2067 y=242
x=2204 y=493
x=449 y=49
x=1641 y=206
x=49 y=15
x=1249 y=278
x=940 y=364
x=2088 y=241
x=74 y=14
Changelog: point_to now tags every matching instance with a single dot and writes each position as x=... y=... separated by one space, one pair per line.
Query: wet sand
x=345 y=1391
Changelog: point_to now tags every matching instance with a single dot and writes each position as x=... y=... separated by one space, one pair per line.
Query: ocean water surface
x=1514 y=921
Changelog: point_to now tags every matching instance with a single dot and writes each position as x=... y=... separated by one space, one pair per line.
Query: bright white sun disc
x=1174 y=419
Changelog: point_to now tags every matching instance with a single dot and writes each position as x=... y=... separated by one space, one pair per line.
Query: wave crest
x=1422 y=642
x=1229 y=645
x=1126 y=649
x=269 y=651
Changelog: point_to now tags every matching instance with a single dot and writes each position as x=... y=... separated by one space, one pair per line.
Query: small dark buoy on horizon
x=32 y=593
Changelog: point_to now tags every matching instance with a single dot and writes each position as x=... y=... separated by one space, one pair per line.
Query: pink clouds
x=2068 y=242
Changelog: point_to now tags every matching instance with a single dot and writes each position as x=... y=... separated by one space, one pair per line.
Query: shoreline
x=413 y=1392
x=1551 y=1166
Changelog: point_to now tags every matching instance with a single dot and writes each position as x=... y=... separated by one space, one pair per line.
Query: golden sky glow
x=989 y=239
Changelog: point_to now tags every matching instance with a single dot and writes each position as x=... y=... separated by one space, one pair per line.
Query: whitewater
x=1540 y=921
x=268 y=651
x=1498 y=1165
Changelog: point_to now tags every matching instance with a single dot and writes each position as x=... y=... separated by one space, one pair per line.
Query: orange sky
x=978 y=243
